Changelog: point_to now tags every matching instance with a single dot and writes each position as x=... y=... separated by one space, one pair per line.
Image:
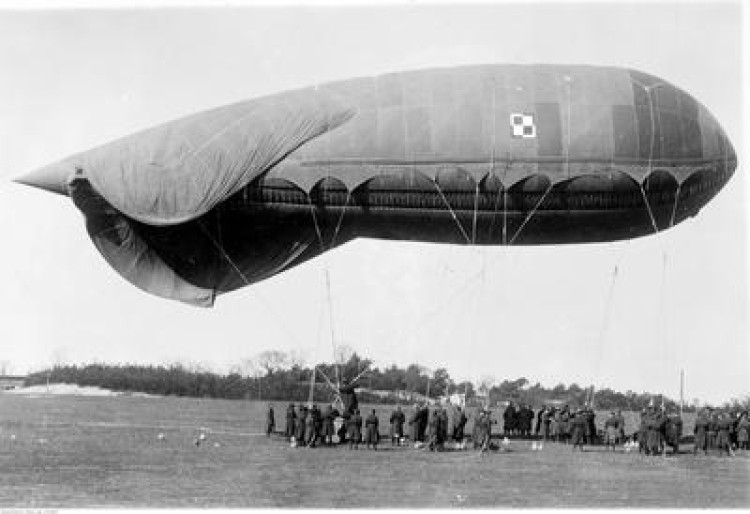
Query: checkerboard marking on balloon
x=522 y=125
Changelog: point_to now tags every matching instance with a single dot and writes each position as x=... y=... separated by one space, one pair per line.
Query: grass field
x=72 y=451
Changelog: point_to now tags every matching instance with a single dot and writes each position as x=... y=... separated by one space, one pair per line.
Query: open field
x=72 y=451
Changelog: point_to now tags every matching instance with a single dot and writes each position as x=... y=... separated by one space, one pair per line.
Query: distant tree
x=486 y=383
x=271 y=361
x=440 y=381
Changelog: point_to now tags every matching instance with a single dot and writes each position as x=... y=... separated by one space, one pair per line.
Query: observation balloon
x=485 y=155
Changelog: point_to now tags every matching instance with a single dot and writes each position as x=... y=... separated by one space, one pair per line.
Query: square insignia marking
x=522 y=125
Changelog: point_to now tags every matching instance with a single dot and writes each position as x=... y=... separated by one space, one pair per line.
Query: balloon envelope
x=494 y=154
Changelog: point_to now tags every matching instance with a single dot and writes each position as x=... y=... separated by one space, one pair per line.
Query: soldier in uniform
x=300 y=424
x=318 y=420
x=311 y=432
x=270 y=421
x=371 y=431
x=414 y=423
x=547 y=419
x=611 y=429
x=723 y=426
x=424 y=416
x=563 y=428
x=477 y=435
x=432 y=423
x=459 y=424
x=620 y=427
x=579 y=424
x=700 y=432
x=486 y=430
x=540 y=423
x=354 y=426
x=713 y=427
x=590 y=425
x=554 y=424
x=397 y=426
x=291 y=415
x=743 y=432
x=442 y=428
x=328 y=419
x=655 y=427
x=509 y=420
x=643 y=431
x=673 y=430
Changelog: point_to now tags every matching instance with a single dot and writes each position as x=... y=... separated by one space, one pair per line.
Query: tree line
x=277 y=376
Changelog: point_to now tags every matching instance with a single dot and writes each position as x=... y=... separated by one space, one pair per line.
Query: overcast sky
x=72 y=80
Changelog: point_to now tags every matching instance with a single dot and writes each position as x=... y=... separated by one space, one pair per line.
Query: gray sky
x=72 y=80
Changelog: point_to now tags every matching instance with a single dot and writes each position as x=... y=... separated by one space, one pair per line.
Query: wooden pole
x=682 y=390
x=311 y=396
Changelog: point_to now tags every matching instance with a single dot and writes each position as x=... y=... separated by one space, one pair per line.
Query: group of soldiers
x=566 y=425
x=721 y=430
x=431 y=428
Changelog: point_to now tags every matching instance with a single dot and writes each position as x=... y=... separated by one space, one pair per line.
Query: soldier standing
x=620 y=427
x=414 y=423
x=397 y=426
x=270 y=421
x=311 y=423
x=300 y=425
x=743 y=432
x=700 y=433
x=509 y=420
x=442 y=428
x=713 y=427
x=290 y=417
x=643 y=432
x=674 y=430
x=458 y=425
x=579 y=425
x=723 y=426
x=424 y=416
x=486 y=430
x=371 y=431
x=611 y=429
x=355 y=429
x=328 y=418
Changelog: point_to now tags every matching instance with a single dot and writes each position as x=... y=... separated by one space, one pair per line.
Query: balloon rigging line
x=605 y=323
x=330 y=323
x=247 y=283
x=674 y=207
x=367 y=367
x=648 y=208
x=341 y=219
x=336 y=390
x=453 y=213
x=327 y=275
x=474 y=217
x=315 y=222
x=528 y=216
x=223 y=253
x=482 y=272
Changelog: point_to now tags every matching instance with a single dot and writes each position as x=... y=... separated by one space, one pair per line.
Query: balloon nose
x=52 y=178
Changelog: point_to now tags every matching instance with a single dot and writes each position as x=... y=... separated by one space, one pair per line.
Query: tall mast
x=682 y=390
